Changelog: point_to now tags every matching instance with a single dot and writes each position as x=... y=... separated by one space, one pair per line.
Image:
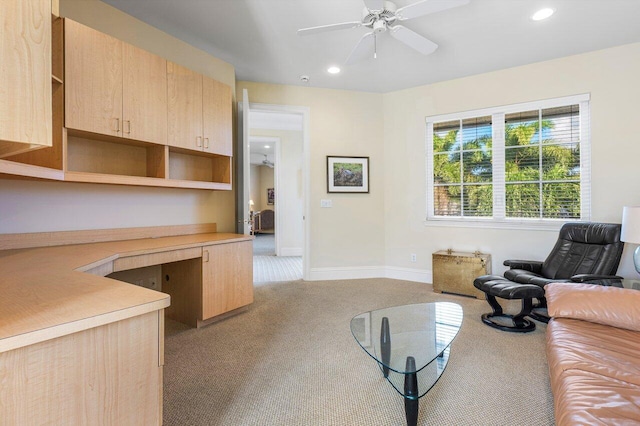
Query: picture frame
x=347 y=174
x=271 y=196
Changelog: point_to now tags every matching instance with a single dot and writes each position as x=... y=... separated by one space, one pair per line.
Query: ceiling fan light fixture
x=542 y=14
x=333 y=69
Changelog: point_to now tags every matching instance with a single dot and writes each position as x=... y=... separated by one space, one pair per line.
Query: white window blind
x=518 y=162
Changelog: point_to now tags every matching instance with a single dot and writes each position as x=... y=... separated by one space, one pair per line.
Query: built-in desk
x=77 y=347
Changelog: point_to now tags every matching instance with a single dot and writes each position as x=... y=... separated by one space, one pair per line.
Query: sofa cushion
x=617 y=307
x=586 y=398
x=595 y=348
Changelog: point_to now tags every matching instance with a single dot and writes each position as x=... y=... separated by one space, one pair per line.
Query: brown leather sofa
x=593 y=350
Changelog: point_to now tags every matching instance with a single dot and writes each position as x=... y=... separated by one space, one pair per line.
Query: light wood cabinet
x=110 y=374
x=199 y=112
x=111 y=117
x=113 y=88
x=227 y=278
x=210 y=286
x=216 y=113
x=184 y=89
x=93 y=76
x=25 y=73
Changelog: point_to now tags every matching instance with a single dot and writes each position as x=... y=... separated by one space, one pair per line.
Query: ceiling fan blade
x=331 y=27
x=413 y=39
x=362 y=49
x=426 y=7
x=374 y=5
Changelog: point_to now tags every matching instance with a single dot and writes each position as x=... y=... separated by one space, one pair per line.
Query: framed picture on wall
x=271 y=196
x=348 y=174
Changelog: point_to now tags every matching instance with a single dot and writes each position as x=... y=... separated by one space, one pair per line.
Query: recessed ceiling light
x=333 y=70
x=267 y=146
x=542 y=14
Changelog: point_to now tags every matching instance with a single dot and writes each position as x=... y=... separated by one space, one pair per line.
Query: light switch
x=326 y=204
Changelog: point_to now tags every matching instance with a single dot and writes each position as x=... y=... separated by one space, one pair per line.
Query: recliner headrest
x=591 y=233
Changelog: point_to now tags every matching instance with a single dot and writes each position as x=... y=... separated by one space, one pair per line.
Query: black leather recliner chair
x=584 y=252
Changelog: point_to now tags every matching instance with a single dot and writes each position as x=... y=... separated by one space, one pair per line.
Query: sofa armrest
x=612 y=306
x=527 y=265
x=581 y=278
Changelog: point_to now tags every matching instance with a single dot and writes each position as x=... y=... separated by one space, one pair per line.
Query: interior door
x=242 y=166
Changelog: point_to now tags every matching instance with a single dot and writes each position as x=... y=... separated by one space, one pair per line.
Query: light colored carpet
x=291 y=360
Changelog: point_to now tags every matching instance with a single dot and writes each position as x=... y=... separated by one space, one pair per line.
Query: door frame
x=275 y=141
x=306 y=173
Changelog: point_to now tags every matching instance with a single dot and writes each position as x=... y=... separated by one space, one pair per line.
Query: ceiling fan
x=382 y=15
x=266 y=161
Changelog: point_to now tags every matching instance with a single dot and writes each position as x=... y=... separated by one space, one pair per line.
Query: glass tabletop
x=422 y=332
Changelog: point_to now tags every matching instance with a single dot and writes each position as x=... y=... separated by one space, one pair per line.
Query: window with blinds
x=526 y=162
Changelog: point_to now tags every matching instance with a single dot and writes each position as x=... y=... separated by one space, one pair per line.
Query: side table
x=454 y=272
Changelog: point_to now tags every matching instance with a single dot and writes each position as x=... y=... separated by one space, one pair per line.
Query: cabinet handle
x=205 y=256
x=128 y=127
x=206 y=143
x=117 y=125
x=199 y=141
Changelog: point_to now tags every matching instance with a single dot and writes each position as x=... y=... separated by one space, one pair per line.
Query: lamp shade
x=631 y=225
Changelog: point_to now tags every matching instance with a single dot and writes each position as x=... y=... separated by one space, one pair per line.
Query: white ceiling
x=258 y=37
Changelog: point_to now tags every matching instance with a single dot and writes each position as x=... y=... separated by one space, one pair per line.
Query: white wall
x=33 y=206
x=610 y=76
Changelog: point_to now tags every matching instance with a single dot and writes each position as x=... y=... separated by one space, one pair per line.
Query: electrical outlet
x=326 y=204
x=413 y=257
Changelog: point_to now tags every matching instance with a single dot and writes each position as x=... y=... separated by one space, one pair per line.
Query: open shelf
x=115 y=158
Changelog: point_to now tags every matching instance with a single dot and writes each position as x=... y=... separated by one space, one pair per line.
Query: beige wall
x=265 y=181
x=351 y=234
x=610 y=76
x=53 y=206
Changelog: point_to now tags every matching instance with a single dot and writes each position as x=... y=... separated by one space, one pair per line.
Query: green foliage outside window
x=542 y=167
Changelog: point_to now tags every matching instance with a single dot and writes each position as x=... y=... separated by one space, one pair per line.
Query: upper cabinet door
x=25 y=74
x=93 y=80
x=185 y=107
x=216 y=111
x=144 y=109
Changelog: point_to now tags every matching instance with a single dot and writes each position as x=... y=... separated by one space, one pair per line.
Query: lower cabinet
x=227 y=278
x=107 y=375
x=205 y=288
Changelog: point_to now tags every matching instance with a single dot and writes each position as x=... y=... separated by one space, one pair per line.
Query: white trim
x=409 y=274
x=347 y=273
x=290 y=251
x=499 y=219
x=306 y=173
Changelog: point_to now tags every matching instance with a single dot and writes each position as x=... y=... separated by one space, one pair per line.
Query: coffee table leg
x=411 y=392
x=385 y=346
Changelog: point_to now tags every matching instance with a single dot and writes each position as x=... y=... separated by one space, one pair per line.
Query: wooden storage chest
x=454 y=272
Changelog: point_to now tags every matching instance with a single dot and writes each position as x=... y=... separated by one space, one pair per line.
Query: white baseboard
x=290 y=251
x=346 y=273
x=409 y=274
x=360 y=272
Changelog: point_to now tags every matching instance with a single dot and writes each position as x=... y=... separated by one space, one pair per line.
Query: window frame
x=499 y=219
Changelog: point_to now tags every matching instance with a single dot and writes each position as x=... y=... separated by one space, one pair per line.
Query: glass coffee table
x=411 y=344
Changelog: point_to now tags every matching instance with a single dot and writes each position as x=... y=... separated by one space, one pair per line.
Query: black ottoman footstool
x=496 y=286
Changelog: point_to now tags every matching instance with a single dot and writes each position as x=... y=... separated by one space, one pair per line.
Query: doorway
x=276 y=179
